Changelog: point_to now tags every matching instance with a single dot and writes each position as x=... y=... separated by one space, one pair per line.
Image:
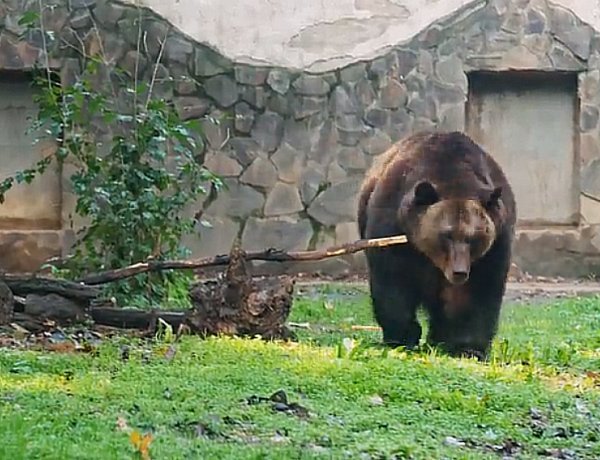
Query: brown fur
x=456 y=207
x=456 y=300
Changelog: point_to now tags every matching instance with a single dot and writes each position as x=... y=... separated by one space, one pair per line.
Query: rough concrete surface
x=312 y=34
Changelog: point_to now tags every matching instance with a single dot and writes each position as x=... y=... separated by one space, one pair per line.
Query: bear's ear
x=493 y=198
x=425 y=194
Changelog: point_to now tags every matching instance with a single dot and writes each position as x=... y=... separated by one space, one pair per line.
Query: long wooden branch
x=272 y=255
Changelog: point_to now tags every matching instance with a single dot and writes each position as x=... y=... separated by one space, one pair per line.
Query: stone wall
x=294 y=145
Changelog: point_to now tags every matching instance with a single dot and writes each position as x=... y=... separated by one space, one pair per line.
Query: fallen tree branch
x=131 y=318
x=272 y=255
x=22 y=285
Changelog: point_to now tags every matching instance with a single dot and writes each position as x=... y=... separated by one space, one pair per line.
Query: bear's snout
x=460 y=263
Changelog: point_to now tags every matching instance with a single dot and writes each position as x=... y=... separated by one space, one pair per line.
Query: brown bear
x=458 y=212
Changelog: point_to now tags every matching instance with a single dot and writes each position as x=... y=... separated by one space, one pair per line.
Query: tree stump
x=237 y=304
x=7 y=303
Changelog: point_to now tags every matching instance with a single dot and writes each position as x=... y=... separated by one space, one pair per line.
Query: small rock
x=574 y=35
x=336 y=204
x=407 y=61
x=222 y=89
x=393 y=94
x=536 y=22
x=279 y=81
x=279 y=396
x=156 y=33
x=280 y=104
x=244 y=117
x=216 y=129
x=311 y=85
x=277 y=438
x=376 y=400
x=236 y=200
x=454 y=442
x=250 y=75
x=246 y=149
x=353 y=72
x=114 y=48
x=185 y=85
x=81 y=19
x=384 y=66
x=375 y=142
x=305 y=106
x=260 y=173
x=589 y=117
x=432 y=36
x=445 y=94
x=9 y=54
x=312 y=181
x=216 y=238
x=108 y=13
x=401 y=125
x=452 y=118
x=82 y=3
x=350 y=129
x=189 y=107
x=256 y=96
x=365 y=93
x=377 y=117
x=450 y=70
x=351 y=159
x=221 y=164
x=425 y=62
x=562 y=59
x=283 y=199
x=133 y=61
x=342 y=102
x=283 y=233
x=335 y=173
x=289 y=163
x=178 y=49
x=268 y=131
x=208 y=63
x=346 y=232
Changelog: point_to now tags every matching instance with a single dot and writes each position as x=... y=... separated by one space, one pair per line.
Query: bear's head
x=452 y=233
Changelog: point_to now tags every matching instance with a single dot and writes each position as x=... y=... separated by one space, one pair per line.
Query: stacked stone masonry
x=292 y=147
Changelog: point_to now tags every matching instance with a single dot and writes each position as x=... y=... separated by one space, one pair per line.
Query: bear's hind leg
x=395 y=307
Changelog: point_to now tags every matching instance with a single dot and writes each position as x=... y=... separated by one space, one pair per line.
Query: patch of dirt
x=521 y=287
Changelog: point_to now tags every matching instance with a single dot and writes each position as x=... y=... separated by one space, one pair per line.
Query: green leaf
x=28 y=18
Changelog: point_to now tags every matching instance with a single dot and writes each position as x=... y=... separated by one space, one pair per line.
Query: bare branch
x=272 y=255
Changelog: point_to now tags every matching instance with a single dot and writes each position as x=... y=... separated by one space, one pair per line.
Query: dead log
x=22 y=285
x=237 y=304
x=133 y=318
x=55 y=307
x=272 y=255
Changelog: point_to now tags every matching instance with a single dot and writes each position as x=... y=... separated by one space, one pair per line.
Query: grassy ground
x=538 y=397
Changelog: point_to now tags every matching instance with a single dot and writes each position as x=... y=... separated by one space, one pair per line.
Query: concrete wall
x=317 y=35
x=295 y=144
x=530 y=126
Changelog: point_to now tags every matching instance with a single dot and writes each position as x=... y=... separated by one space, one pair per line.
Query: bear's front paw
x=472 y=353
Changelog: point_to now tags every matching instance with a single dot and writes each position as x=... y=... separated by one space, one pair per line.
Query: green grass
x=540 y=390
